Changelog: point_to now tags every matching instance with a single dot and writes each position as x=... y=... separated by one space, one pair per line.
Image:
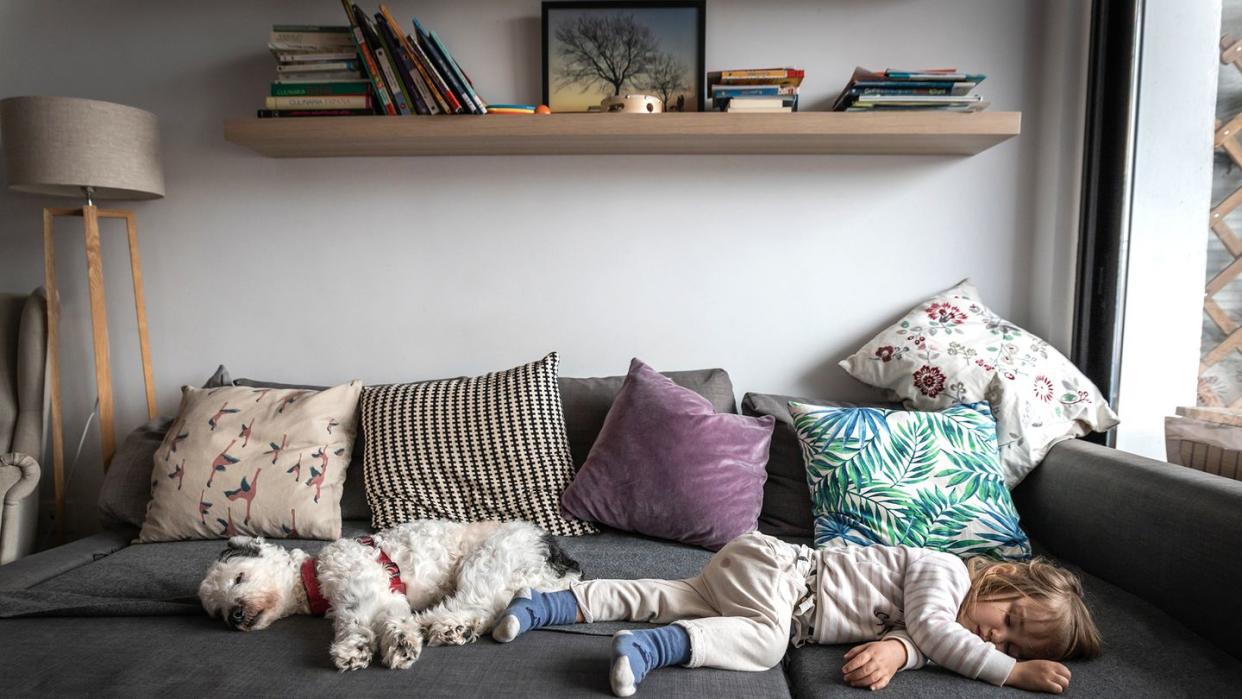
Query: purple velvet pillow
x=667 y=465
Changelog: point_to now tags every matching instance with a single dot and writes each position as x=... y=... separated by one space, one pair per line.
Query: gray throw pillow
x=786 y=497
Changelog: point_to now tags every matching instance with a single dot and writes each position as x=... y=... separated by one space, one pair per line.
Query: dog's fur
x=458 y=579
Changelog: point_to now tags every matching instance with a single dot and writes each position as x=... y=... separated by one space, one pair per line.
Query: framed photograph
x=594 y=50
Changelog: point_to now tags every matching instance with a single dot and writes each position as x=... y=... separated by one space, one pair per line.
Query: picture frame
x=668 y=35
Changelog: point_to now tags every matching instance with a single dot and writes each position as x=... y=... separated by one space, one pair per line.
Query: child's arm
x=934 y=587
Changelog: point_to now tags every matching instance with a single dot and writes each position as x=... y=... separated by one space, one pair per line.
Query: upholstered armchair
x=23 y=362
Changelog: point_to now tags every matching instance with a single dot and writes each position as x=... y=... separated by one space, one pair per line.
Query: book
x=509 y=110
x=936 y=82
x=744 y=90
x=418 y=79
x=766 y=73
x=402 y=68
x=480 y=107
x=932 y=75
x=439 y=88
x=317 y=67
x=758 y=110
x=718 y=78
x=917 y=99
x=972 y=107
x=368 y=61
x=319 y=77
x=346 y=54
x=453 y=94
x=274 y=113
x=292 y=38
x=319 y=102
x=355 y=87
x=755 y=102
x=386 y=64
x=914 y=84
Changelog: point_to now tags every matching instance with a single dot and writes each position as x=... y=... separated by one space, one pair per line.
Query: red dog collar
x=310 y=577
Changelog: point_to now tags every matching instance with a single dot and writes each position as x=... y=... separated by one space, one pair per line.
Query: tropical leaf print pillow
x=953 y=349
x=257 y=461
x=906 y=478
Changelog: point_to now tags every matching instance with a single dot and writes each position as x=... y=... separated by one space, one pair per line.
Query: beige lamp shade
x=58 y=145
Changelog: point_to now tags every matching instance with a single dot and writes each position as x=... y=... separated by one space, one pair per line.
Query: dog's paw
x=401 y=644
x=447 y=632
x=351 y=654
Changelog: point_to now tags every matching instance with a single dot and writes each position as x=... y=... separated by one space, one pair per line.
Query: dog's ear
x=242 y=546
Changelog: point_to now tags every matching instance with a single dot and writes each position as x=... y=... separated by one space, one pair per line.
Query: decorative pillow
x=209 y=479
x=469 y=449
x=948 y=350
x=666 y=464
x=904 y=478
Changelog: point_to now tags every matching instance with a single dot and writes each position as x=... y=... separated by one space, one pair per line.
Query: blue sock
x=636 y=653
x=532 y=609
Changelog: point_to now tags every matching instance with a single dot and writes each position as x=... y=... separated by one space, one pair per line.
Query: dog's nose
x=237 y=616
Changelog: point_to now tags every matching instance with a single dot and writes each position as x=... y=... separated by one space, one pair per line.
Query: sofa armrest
x=1166 y=533
x=28 y=476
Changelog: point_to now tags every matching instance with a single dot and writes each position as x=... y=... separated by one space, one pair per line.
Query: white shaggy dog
x=457 y=579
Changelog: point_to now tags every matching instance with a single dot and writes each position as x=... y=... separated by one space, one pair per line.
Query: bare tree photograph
x=603 y=49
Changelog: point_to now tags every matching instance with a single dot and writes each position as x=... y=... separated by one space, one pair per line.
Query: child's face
x=1017 y=626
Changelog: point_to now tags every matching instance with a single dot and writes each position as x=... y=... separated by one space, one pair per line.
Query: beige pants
x=737 y=611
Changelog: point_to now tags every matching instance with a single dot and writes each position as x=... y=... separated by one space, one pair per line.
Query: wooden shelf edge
x=811 y=133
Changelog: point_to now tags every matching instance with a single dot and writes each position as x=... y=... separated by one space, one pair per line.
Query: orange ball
x=543 y=109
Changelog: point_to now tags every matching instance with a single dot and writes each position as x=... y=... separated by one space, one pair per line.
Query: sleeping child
x=1004 y=623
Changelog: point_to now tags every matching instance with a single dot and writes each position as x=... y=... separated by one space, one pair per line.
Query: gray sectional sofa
x=1157 y=547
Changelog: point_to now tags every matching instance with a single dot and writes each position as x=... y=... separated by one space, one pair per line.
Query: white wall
x=1171 y=199
x=394 y=269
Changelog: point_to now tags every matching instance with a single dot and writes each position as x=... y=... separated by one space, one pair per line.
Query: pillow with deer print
x=256 y=461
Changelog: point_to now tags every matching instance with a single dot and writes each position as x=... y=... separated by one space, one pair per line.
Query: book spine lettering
x=418 y=79
x=440 y=70
x=321 y=102
x=477 y=104
x=319 y=89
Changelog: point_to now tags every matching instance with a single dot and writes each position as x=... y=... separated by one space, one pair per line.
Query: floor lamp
x=90 y=150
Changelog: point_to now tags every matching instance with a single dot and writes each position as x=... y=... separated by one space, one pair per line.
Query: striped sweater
x=909 y=594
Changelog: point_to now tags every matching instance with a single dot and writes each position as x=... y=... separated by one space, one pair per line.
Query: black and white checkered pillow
x=470 y=449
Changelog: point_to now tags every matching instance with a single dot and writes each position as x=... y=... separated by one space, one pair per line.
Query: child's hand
x=1039 y=676
x=872 y=665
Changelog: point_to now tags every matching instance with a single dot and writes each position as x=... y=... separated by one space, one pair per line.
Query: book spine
x=319 y=67
x=724 y=91
x=321 y=40
x=319 y=102
x=274 y=113
x=764 y=73
x=368 y=62
x=294 y=57
x=387 y=64
x=319 y=89
x=405 y=71
x=310 y=28
x=445 y=79
x=325 y=77
x=477 y=104
x=434 y=82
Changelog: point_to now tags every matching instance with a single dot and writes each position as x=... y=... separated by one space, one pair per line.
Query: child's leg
x=658 y=601
x=754 y=584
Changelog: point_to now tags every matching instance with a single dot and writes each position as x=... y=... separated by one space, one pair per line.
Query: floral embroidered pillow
x=954 y=349
x=907 y=478
x=256 y=461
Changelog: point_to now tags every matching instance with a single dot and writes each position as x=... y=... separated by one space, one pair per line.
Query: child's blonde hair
x=1052 y=587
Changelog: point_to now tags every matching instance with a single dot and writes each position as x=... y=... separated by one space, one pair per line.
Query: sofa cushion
x=1146 y=654
x=198 y=656
x=667 y=464
x=786 y=497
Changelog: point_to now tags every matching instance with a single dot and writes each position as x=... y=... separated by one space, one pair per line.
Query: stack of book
x=317 y=73
x=755 y=90
x=943 y=89
x=369 y=67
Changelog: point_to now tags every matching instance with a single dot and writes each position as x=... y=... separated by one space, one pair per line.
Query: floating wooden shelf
x=911 y=133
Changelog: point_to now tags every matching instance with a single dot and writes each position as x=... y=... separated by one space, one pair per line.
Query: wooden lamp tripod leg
x=53 y=349
x=99 y=327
